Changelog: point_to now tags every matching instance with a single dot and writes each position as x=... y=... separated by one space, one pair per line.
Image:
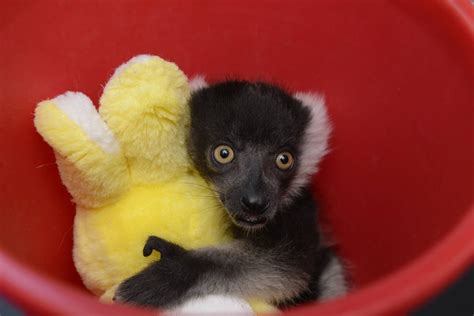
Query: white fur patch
x=213 y=304
x=333 y=280
x=197 y=83
x=315 y=140
x=79 y=108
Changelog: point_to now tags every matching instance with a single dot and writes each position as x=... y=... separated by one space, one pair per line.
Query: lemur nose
x=255 y=204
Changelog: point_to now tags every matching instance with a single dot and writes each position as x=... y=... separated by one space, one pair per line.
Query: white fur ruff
x=315 y=140
x=197 y=83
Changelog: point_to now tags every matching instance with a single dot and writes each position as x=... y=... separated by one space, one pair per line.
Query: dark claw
x=148 y=249
x=165 y=248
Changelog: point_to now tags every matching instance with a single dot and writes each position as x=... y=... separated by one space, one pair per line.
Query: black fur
x=281 y=256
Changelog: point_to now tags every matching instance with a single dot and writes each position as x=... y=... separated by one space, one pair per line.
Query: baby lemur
x=258 y=146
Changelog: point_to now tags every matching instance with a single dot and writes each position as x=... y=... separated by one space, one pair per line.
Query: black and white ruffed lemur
x=258 y=146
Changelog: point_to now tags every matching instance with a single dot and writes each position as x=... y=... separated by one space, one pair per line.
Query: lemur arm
x=238 y=269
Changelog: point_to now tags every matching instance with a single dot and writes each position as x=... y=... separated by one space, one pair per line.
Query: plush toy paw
x=217 y=305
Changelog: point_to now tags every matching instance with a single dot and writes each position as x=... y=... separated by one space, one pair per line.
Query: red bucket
x=396 y=189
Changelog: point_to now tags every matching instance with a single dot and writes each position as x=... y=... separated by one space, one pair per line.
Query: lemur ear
x=197 y=83
x=315 y=139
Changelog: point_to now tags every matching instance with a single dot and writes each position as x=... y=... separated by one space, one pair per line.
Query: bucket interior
x=397 y=77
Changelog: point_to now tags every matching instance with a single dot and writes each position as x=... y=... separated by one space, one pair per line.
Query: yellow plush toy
x=128 y=171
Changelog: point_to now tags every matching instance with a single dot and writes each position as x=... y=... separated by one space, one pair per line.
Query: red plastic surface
x=396 y=190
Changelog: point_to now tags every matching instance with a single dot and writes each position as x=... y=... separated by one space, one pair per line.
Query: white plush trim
x=197 y=83
x=134 y=60
x=79 y=108
x=213 y=305
x=315 y=140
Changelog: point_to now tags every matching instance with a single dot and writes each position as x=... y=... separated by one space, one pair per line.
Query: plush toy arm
x=89 y=158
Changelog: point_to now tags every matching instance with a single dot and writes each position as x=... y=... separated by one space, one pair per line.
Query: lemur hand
x=163 y=283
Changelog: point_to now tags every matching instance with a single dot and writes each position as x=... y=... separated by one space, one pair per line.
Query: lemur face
x=252 y=142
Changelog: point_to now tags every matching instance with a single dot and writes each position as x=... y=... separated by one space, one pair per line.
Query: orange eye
x=284 y=160
x=223 y=154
